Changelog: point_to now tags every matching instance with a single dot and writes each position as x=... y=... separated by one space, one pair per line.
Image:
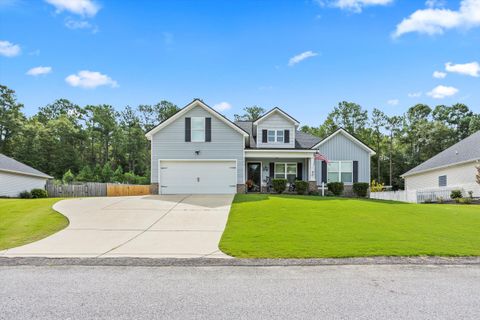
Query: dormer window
x=276 y=136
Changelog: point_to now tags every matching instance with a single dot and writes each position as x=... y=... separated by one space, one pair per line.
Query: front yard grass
x=24 y=221
x=284 y=226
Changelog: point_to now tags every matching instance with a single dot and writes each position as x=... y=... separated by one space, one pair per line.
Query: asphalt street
x=311 y=292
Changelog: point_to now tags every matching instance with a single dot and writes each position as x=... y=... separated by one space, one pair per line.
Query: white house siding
x=11 y=184
x=279 y=122
x=339 y=148
x=459 y=176
x=169 y=143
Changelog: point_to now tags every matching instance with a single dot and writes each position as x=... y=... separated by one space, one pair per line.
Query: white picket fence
x=416 y=196
x=401 y=195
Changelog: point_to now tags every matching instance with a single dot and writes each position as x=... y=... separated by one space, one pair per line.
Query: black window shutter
x=355 y=171
x=299 y=171
x=188 y=129
x=264 y=136
x=287 y=136
x=208 y=129
x=272 y=170
x=324 y=171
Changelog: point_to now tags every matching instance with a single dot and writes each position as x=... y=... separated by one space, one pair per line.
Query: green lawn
x=25 y=221
x=273 y=226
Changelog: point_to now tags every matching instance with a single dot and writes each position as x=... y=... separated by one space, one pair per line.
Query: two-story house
x=199 y=151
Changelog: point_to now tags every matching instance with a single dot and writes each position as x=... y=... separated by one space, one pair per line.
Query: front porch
x=262 y=166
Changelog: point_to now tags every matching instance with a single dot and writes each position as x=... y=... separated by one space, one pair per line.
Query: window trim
x=285 y=170
x=340 y=171
x=276 y=136
x=197 y=130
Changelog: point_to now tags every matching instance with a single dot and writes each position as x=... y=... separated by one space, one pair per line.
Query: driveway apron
x=178 y=226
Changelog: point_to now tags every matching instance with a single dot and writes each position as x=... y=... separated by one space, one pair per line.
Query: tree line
x=99 y=143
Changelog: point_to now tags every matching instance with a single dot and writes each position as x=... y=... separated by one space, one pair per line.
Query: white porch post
x=311 y=169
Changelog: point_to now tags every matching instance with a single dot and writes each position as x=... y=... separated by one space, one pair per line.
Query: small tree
x=107 y=173
x=118 y=175
x=85 y=175
x=68 y=177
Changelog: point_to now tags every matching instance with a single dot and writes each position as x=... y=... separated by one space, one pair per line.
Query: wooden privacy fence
x=95 y=189
x=88 y=189
x=114 y=190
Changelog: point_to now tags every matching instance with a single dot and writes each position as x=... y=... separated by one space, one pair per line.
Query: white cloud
x=39 y=71
x=439 y=75
x=222 y=106
x=80 y=24
x=353 y=5
x=415 y=94
x=435 y=3
x=90 y=79
x=300 y=57
x=393 y=102
x=436 y=20
x=469 y=69
x=441 y=92
x=9 y=49
x=80 y=7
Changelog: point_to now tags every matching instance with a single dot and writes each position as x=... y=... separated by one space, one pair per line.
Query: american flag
x=319 y=156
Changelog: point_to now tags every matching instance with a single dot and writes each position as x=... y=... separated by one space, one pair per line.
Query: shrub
x=25 y=195
x=39 y=193
x=279 y=185
x=376 y=186
x=361 y=189
x=85 y=175
x=301 y=186
x=336 y=188
x=456 y=194
x=314 y=193
x=463 y=200
x=68 y=177
x=440 y=200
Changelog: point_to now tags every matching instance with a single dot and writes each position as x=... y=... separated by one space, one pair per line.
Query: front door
x=254 y=176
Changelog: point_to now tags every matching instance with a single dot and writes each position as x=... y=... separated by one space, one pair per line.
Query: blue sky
x=303 y=56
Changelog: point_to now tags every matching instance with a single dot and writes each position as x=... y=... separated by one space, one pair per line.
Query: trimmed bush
x=360 y=189
x=456 y=194
x=39 y=193
x=25 y=195
x=279 y=185
x=336 y=188
x=301 y=186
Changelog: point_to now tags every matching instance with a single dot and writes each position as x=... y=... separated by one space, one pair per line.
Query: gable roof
x=464 y=151
x=8 y=164
x=349 y=136
x=276 y=109
x=188 y=107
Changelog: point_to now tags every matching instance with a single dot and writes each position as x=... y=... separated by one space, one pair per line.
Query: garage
x=197 y=176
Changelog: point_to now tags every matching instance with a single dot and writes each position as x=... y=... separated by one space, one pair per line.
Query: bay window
x=340 y=171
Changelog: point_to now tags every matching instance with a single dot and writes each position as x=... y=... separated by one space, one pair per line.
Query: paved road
x=181 y=226
x=324 y=292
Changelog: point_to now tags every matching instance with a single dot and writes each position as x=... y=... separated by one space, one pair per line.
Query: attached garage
x=197 y=176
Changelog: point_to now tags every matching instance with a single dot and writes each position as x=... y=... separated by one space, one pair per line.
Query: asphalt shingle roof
x=302 y=140
x=9 y=164
x=465 y=150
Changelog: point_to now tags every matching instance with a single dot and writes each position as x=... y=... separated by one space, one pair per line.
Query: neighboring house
x=16 y=177
x=453 y=168
x=199 y=151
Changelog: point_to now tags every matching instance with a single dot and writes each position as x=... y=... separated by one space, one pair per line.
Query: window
x=442 y=181
x=340 y=171
x=198 y=129
x=276 y=136
x=286 y=171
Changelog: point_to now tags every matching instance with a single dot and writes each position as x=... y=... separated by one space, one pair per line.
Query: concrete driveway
x=181 y=226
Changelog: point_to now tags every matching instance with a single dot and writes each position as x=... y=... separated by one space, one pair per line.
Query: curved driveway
x=182 y=226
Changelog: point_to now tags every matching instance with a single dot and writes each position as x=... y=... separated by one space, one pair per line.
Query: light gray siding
x=278 y=122
x=11 y=184
x=339 y=148
x=169 y=143
x=266 y=166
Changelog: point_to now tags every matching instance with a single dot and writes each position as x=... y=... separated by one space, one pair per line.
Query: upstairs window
x=198 y=129
x=276 y=136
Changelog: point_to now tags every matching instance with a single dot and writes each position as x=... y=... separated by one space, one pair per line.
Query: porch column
x=311 y=169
